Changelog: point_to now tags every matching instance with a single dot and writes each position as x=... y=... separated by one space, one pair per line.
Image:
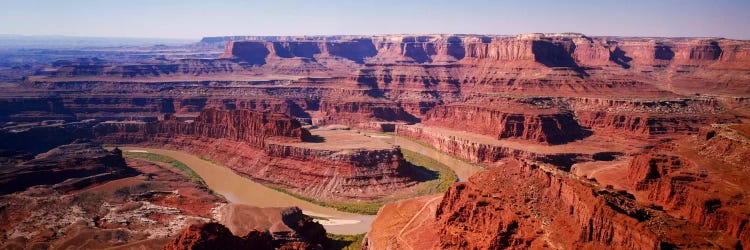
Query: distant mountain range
x=72 y=42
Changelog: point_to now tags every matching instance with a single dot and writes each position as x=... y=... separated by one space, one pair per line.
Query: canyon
x=578 y=142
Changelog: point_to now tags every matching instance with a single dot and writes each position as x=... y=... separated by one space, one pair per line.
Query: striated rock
x=551 y=50
x=479 y=150
x=216 y=236
x=102 y=204
x=39 y=137
x=353 y=112
x=247 y=126
x=304 y=227
x=400 y=78
x=727 y=143
x=251 y=52
x=269 y=148
x=299 y=232
x=688 y=191
x=634 y=110
x=405 y=224
x=193 y=67
x=551 y=209
x=509 y=120
x=505 y=217
x=647 y=117
x=67 y=167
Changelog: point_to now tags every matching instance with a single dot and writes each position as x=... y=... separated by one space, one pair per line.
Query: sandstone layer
x=299 y=232
x=551 y=210
x=81 y=196
x=267 y=148
x=590 y=142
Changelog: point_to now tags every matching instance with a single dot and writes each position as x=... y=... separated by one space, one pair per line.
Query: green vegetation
x=344 y=242
x=209 y=160
x=435 y=176
x=446 y=177
x=432 y=147
x=369 y=207
x=439 y=178
x=318 y=217
x=168 y=160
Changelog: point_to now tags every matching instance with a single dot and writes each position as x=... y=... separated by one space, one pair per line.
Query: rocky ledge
x=551 y=209
x=299 y=232
x=271 y=148
x=67 y=167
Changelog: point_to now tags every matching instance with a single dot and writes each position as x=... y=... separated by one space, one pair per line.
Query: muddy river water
x=238 y=189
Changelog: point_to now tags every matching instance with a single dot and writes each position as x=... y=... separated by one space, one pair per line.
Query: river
x=238 y=189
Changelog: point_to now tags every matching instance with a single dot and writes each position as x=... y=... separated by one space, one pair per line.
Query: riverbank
x=238 y=189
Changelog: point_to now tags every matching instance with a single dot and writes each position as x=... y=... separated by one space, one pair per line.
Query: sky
x=195 y=19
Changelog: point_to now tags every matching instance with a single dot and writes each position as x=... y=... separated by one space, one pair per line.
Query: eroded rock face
x=216 y=236
x=486 y=152
x=522 y=205
x=503 y=217
x=628 y=106
x=262 y=146
x=40 y=137
x=649 y=118
x=247 y=126
x=203 y=236
x=727 y=143
x=401 y=78
x=67 y=167
x=79 y=195
x=509 y=120
x=688 y=191
x=303 y=233
x=552 y=50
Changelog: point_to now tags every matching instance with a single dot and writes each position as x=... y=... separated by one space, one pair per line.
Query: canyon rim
x=389 y=141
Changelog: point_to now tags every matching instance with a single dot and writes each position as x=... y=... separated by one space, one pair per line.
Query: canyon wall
x=485 y=151
x=79 y=195
x=552 y=50
x=66 y=167
x=294 y=230
x=509 y=119
x=523 y=205
x=635 y=110
x=531 y=216
x=270 y=148
x=727 y=143
x=241 y=125
x=636 y=117
x=688 y=191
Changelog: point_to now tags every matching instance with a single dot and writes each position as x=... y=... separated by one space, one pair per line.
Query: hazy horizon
x=172 y=19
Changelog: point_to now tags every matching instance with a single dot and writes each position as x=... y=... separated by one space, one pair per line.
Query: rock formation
x=67 y=167
x=550 y=210
x=267 y=147
x=246 y=126
x=216 y=236
x=301 y=233
x=79 y=195
x=590 y=142
x=509 y=119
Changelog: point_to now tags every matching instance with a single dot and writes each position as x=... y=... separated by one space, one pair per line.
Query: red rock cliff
x=247 y=126
x=509 y=120
x=686 y=190
x=266 y=148
x=303 y=233
x=522 y=205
